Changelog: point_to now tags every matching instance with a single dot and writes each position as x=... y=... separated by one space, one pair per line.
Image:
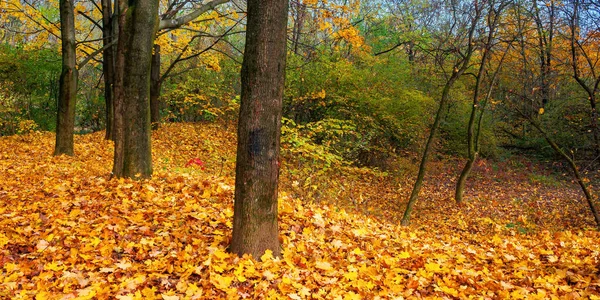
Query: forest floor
x=68 y=231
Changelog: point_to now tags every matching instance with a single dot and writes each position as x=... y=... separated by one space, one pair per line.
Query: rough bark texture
x=138 y=37
x=108 y=65
x=67 y=98
x=155 y=85
x=255 y=226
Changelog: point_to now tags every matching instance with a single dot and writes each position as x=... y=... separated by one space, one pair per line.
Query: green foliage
x=364 y=110
x=202 y=95
x=546 y=180
x=28 y=88
x=297 y=141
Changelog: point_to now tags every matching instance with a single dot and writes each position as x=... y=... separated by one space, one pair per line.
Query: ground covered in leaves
x=68 y=231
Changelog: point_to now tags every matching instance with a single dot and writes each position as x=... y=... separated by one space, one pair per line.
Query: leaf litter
x=68 y=231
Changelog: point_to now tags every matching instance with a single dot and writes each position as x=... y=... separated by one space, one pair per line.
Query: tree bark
x=133 y=157
x=108 y=69
x=155 y=86
x=67 y=100
x=118 y=95
x=255 y=227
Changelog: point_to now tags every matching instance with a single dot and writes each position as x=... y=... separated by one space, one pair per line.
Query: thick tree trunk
x=108 y=68
x=255 y=227
x=137 y=34
x=67 y=98
x=155 y=86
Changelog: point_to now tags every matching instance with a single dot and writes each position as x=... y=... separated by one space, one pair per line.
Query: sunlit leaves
x=68 y=231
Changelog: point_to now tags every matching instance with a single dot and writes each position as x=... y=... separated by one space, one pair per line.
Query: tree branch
x=174 y=23
x=390 y=49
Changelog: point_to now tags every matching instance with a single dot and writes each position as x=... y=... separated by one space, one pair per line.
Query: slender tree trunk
x=578 y=51
x=255 y=227
x=108 y=69
x=472 y=140
x=428 y=147
x=118 y=92
x=67 y=99
x=137 y=34
x=586 y=191
x=594 y=123
x=155 y=86
x=460 y=67
x=472 y=151
x=299 y=16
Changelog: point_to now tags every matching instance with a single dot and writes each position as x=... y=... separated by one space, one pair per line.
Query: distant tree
x=68 y=81
x=494 y=14
x=255 y=227
x=584 y=40
x=457 y=45
x=109 y=36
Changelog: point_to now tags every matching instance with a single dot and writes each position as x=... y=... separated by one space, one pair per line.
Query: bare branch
x=174 y=23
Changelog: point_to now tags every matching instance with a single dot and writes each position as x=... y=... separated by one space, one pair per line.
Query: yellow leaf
x=294 y=297
x=268 y=275
x=404 y=254
x=351 y=276
x=221 y=282
x=433 y=267
x=323 y=265
x=352 y=296
x=3 y=240
x=53 y=266
x=166 y=297
x=267 y=256
x=220 y=254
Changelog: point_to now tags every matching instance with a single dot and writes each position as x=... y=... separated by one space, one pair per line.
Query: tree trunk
x=299 y=16
x=461 y=65
x=67 y=98
x=595 y=129
x=428 y=147
x=117 y=131
x=155 y=86
x=472 y=141
x=133 y=157
x=577 y=51
x=586 y=191
x=108 y=69
x=255 y=228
